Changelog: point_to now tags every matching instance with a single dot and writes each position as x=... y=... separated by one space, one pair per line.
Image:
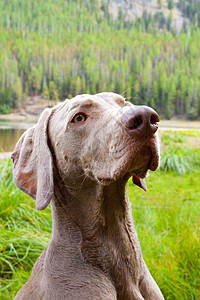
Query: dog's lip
x=139 y=172
x=150 y=161
x=151 y=164
x=154 y=160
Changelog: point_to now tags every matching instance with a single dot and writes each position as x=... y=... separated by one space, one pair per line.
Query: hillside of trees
x=59 y=48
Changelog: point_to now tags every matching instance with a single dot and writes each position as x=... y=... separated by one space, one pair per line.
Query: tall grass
x=166 y=218
x=177 y=154
x=180 y=159
x=168 y=225
x=24 y=233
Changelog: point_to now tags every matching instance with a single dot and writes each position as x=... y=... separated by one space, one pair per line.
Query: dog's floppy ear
x=32 y=163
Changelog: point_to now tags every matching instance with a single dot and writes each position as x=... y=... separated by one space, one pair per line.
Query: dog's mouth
x=138 y=177
x=136 y=166
x=151 y=163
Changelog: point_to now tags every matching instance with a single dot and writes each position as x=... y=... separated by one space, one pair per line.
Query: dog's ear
x=32 y=162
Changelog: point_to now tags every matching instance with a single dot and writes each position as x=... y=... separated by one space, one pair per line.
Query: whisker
x=127 y=89
x=83 y=183
x=79 y=176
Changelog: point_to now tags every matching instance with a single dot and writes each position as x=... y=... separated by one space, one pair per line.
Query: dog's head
x=101 y=137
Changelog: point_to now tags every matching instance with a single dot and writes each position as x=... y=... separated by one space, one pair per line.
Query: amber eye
x=79 y=118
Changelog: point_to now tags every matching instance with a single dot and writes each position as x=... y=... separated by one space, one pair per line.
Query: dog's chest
x=118 y=255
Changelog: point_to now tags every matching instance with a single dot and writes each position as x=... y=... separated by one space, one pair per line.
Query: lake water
x=10 y=132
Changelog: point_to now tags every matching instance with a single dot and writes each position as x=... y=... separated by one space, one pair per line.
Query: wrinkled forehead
x=100 y=105
x=96 y=101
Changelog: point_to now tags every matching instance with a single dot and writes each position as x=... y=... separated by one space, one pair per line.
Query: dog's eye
x=79 y=118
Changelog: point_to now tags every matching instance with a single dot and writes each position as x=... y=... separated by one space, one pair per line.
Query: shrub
x=5 y=109
x=180 y=159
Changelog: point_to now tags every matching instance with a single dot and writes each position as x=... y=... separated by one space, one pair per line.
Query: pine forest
x=58 y=49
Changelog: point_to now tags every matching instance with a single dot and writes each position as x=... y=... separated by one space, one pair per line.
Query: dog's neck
x=99 y=221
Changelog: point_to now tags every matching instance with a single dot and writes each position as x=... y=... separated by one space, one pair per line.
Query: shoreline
x=179 y=125
x=31 y=111
x=12 y=117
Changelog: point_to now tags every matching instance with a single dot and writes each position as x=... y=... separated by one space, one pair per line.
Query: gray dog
x=79 y=156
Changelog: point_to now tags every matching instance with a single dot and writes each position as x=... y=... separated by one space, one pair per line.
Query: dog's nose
x=141 y=120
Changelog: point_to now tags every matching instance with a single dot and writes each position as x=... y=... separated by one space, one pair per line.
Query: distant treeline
x=61 y=48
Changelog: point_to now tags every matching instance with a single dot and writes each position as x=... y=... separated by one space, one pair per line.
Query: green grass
x=24 y=234
x=180 y=151
x=166 y=218
x=180 y=159
x=169 y=138
x=188 y=133
x=181 y=136
x=168 y=225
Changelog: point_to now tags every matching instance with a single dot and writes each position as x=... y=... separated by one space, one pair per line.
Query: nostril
x=142 y=121
x=154 y=119
x=136 y=122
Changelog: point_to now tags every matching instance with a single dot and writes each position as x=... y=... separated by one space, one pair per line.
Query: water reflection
x=10 y=132
x=8 y=138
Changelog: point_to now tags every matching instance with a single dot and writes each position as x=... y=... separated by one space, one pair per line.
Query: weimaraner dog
x=79 y=156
